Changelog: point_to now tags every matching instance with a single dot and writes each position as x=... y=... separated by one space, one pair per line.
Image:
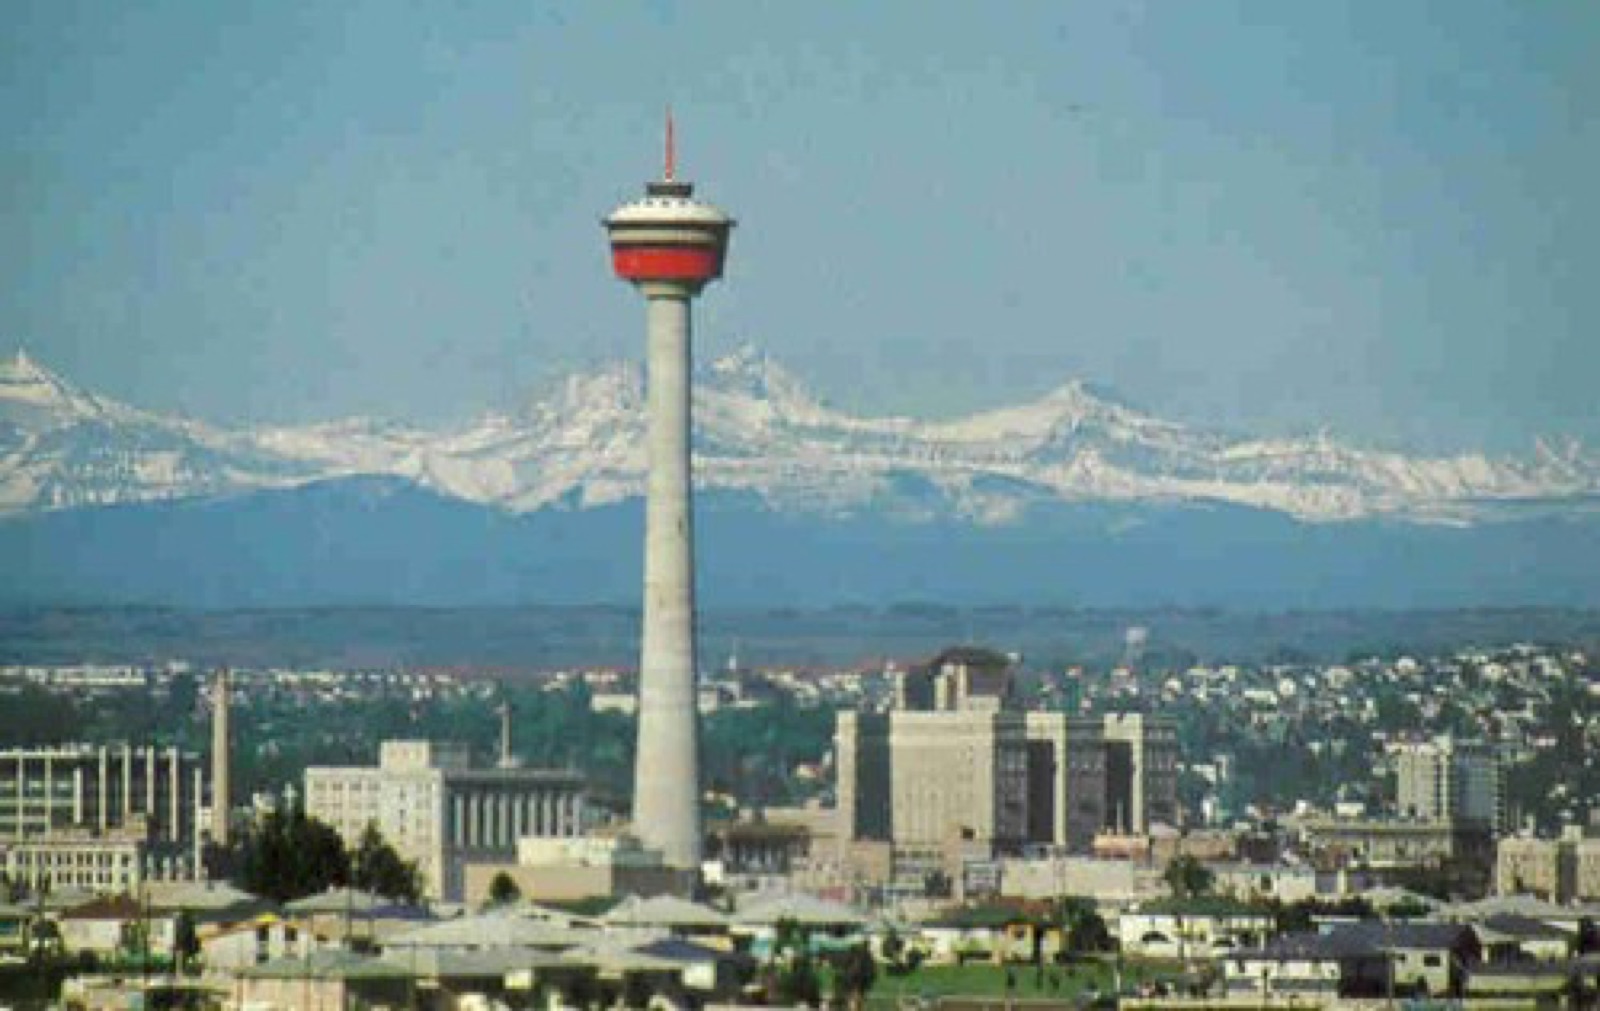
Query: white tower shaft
x=666 y=806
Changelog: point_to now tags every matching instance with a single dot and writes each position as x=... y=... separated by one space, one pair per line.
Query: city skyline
x=1270 y=221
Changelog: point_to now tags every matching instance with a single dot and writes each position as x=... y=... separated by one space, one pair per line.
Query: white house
x=1192 y=928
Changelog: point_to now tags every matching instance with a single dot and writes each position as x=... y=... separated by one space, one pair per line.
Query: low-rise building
x=564 y=870
x=1192 y=928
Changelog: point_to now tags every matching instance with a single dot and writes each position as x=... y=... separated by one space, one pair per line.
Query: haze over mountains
x=1071 y=497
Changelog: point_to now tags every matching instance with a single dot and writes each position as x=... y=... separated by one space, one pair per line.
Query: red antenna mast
x=672 y=151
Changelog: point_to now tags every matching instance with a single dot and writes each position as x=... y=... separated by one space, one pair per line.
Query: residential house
x=1200 y=927
x=1327 y=966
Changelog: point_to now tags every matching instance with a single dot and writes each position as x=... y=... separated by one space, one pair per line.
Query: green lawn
x=987 y=980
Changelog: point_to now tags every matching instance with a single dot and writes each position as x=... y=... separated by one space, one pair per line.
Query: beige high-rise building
x=1141 y=772
x=435 y=809
x=1066 y=780
x=923 y=779
x=954 y=772
x=1449 y=779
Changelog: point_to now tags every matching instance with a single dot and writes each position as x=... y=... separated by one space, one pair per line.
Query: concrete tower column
x=667 y=771
x=221 y=753
x=175 y=795
x=669 y=246
x=199 y=794
x=49 y=793
x=127 y=782
x=103 y=800
x=150 y=809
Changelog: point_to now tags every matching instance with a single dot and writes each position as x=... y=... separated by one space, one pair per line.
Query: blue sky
x=1276 y=217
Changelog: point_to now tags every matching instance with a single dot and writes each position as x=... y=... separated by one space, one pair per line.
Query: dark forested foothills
x=537 y=638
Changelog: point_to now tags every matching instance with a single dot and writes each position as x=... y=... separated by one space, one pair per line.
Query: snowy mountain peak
x=32 y=396
x=750 y=372
x=21 y=368
x=759 y=431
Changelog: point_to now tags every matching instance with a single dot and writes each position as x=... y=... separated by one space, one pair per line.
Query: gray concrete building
x=433 y=807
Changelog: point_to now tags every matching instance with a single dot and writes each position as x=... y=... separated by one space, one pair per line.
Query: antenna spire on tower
x=672 y=151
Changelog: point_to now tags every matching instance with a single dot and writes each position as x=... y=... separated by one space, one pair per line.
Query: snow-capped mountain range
x=758 y=431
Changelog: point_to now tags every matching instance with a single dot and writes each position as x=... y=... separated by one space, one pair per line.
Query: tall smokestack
x=221 y=757
x=669 y=245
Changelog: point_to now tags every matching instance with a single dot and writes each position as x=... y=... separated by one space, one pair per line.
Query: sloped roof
x=327 y=964
x=678 y=950
x=1201 y=905
x=977 y=917
x=494 y=929
x=807 y=910
x=61 y=899
x=663 y=911
x=444 y=964
x=1522 y=928
x=109 y=907
x=1523 y=905
x=1310 y=947
x=337 y=900
x=200 y=896
x=1410 y=935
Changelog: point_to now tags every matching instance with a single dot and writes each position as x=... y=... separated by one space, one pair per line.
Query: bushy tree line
x=289 y=855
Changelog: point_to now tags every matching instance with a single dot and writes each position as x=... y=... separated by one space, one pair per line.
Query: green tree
x=288 y=855
x=185 y=941
x=1587 y=940
x=791 y=974
x=799 y=983
x=1187 y=877
x=379 y=869
x=44 y=938
x=1084 y=928
x=854 y=972
x=503 y=891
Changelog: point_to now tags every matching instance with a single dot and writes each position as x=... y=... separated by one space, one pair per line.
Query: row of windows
x=32 y=858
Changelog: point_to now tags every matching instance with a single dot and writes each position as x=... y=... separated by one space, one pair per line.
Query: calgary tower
x=669 y=245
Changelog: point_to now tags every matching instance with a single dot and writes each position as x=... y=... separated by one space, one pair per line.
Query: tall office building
x=953 y=771
x=1066 y=780
x=1141 y=772
x=434 y=808
x=1449 y=780
x=955 y=761
x=669 y=246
